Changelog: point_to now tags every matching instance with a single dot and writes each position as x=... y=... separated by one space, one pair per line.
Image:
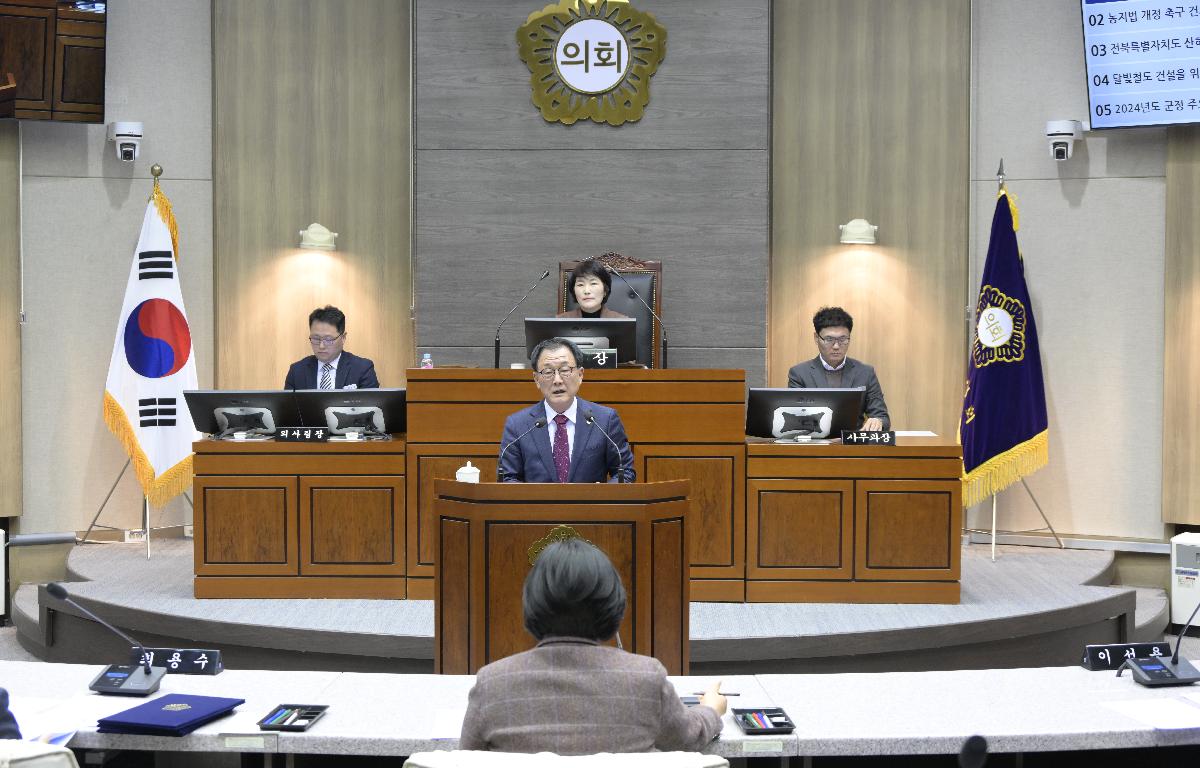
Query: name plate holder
x=599 y=358
x=1100 y=657
x=182 y=661
x=302 y=435
x=863 y=437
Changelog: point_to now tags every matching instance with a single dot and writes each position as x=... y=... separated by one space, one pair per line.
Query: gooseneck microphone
x=514 y=309
x=591 y=419
x=662 y=326
x=58 y=592
x=1182 y=632
x=500 y=464
x=116 y=678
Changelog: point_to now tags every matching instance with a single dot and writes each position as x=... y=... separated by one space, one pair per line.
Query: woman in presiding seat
x=591 y=285
x=571 y=695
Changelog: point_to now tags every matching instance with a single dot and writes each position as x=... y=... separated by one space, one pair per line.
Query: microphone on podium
x=649 y=308
x=591 y=419
x=514 y=309
x=500 y=464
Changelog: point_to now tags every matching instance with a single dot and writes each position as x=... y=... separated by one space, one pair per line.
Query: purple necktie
x=562 y=450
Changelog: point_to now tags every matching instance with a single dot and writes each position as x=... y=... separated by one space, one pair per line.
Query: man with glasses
x=329 y=366
x=562 y=438
x=832 y=367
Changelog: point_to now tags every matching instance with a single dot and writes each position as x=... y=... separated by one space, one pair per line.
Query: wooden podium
x=484 y=535
x=682 y=425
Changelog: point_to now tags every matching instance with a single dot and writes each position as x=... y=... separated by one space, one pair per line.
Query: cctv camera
x=127 y=138
x=1062 y=135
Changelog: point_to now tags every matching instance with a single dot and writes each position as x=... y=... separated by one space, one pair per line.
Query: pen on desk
x=291 y=717
x=723 y=693
x=275 y=718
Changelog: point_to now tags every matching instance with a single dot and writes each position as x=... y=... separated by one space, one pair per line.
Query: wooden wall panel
x=1181 y=364
x=871 y=120
x=10 y=329
x=311 y=123
x=501 y=194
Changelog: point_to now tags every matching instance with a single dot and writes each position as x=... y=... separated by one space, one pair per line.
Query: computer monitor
x=619 y=333
x=368 y=411
x=817 y=412
x=221 y=413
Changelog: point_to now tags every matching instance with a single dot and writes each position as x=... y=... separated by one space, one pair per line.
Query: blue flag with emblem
x=1003 y=423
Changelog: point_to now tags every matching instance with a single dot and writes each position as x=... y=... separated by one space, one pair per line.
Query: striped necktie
x=327 y=376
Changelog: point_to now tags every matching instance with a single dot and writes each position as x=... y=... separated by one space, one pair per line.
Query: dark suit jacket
x=8 y=723
x=811 y=373
x=593 y=460
x=574 y=697
x=351 y=369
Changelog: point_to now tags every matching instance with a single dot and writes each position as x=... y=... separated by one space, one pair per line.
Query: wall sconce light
x=317 y=238
x=858 y=232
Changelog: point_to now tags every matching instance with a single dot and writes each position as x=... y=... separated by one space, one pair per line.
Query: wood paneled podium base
x=487 y=533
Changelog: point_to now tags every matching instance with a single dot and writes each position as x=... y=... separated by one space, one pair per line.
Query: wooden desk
x=299 y=519
x=854 y=524
x=682 y=424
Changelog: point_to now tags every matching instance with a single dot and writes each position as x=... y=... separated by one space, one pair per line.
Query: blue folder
x=175 y=714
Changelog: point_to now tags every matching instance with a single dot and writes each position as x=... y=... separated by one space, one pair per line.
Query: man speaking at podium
x=329 y=367
x=564 y=438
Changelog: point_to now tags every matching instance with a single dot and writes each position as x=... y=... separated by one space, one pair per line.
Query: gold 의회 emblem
x=591 y=60
x=1000 y=330
x=557 y=533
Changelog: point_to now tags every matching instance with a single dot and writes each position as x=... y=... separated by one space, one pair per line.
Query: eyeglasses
x=324 y=341
x=548 y=374
x=834 y=341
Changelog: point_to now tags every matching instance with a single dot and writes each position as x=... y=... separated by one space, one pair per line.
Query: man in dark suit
x=833 y=368
x=561 y=439
x=329 y=366
x=8 y=723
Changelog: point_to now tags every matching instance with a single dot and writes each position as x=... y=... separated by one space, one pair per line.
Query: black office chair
x=646 y=278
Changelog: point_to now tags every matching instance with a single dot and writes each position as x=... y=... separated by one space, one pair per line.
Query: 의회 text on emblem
x=591 y=60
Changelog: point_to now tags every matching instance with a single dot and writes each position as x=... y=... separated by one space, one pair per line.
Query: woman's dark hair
x=591 y=268
x=832 y=317
x=573 y=591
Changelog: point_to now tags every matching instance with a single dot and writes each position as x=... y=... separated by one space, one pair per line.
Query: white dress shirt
x=829 y=367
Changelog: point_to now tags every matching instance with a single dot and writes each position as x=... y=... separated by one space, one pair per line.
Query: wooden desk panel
x=284 y=520
x=835 y=523
x=681 y=424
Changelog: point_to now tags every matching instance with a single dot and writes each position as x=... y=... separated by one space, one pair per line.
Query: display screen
x=1143 y=62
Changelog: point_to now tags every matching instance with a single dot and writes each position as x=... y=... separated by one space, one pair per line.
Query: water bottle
x=426 y=360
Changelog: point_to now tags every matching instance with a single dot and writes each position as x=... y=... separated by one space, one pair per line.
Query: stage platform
x=1031 y=607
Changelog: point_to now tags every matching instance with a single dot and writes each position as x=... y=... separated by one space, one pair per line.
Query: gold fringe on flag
x=1012 y=208
x=159 y=490
x=1004 y=469
x=163 y=206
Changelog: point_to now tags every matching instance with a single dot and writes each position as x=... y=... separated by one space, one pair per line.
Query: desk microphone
x=1155 y=671
x=973 y=753
x=116 y=678
x=591 y=419
x=638 y=296
x=500 y=464
x=514 y=309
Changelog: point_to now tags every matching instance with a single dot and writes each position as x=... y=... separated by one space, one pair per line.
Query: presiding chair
x=646 y=279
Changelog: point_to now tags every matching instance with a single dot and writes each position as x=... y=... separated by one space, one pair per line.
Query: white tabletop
x=1017 y=710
